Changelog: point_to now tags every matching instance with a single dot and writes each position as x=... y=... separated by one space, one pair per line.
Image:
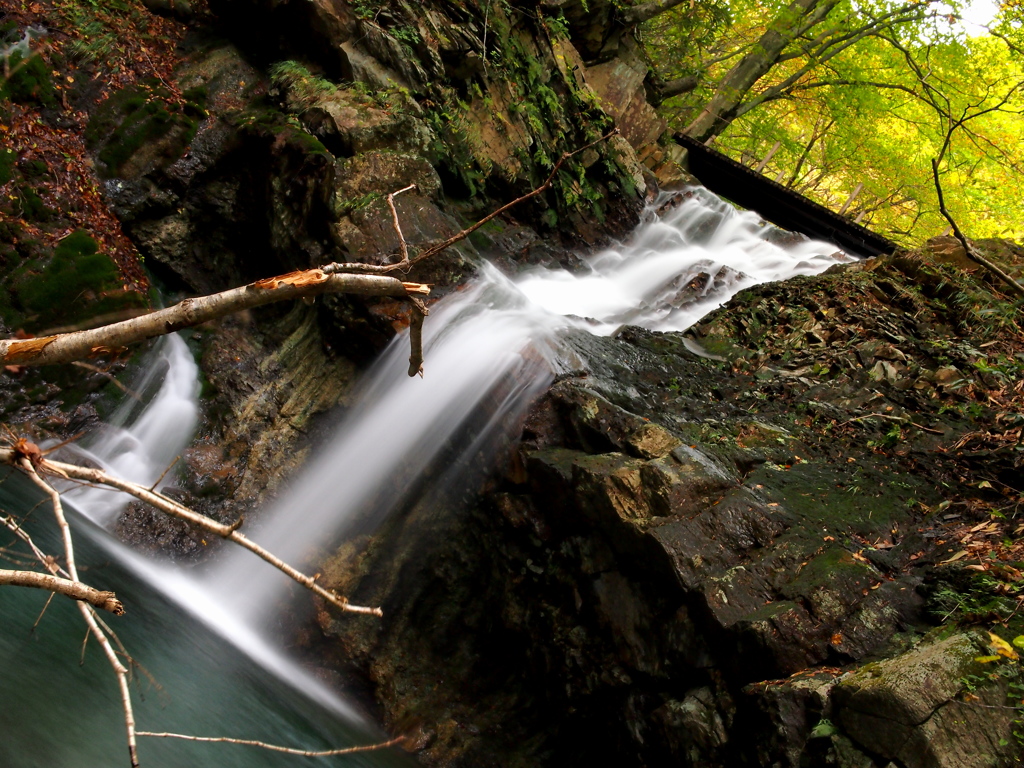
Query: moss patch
x=142 y=126
x=30 y=81
x=78 y=282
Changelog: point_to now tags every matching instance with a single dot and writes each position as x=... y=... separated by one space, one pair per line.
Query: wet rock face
x=684 y=559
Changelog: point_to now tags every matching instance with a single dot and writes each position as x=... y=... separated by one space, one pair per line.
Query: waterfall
x=491 y=349
x=145 y=433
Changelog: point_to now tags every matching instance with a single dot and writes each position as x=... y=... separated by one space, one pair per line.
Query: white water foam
x=139 y=442
x=649 y=279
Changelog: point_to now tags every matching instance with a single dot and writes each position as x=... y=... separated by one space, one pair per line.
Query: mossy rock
x=7 y=159
x=77 y=283
x=141 y=127
x=30 y=81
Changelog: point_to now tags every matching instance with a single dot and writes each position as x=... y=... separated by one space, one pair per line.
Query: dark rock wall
x=678 y=568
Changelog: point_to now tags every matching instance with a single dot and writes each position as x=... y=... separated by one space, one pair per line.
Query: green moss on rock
x=143 y=126
x=30 y=80
x=78 y=282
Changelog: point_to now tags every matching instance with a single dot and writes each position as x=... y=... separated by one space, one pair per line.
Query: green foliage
x=302 y=87
x=99 y=40
x=358 y=203
x=367 y=9
x=872 y=117
x=407 y=36
x=966 y=597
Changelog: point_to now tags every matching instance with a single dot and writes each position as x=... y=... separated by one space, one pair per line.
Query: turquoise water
x=57 y=713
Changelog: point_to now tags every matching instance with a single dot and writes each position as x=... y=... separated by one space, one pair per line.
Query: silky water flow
x=490 y=350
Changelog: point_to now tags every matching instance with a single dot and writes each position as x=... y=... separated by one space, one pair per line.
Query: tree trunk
x=67 y=347
x=798 y=17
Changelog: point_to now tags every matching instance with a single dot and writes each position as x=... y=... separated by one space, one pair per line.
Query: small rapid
x=146 y=433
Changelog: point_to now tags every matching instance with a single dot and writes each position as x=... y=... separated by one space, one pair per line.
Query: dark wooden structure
x=779 y=205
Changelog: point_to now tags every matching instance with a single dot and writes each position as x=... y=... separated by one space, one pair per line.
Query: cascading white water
x=487 y=347
x=490 y=349
x=647 y=279
x=494 y=332
x=140 y=441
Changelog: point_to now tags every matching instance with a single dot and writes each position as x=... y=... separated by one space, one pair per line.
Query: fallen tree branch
x=65 y=348
x=76 y=590
x=173 y=508
x=275 y=747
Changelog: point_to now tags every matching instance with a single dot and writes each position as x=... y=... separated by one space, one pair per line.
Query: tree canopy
x=854 y=100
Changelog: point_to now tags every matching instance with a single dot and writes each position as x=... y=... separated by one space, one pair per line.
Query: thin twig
x=164 y=474
x=87 y=611
x=275 y=747
x=339 y=267
x=403 y=246
x=113 y=379
x=972 y=254
x=900 y=419
x=42 y=613
x=494 y=214
x=121 y=673
x=173 y=508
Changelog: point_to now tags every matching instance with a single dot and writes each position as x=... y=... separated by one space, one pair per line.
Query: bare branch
x=173 y=508
x=352 y=267
x=274 y=747
x=972 y=254
x=398 y=229
x=437 y=248
x=87 y=611
x=74 y=589
x=122 y=679
x=110 y=376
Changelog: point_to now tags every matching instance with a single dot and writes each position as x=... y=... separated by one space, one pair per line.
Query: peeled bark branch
x=65 y=348
x=74 y=589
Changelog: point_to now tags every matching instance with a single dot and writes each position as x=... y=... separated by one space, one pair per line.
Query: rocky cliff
x=704 y=537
